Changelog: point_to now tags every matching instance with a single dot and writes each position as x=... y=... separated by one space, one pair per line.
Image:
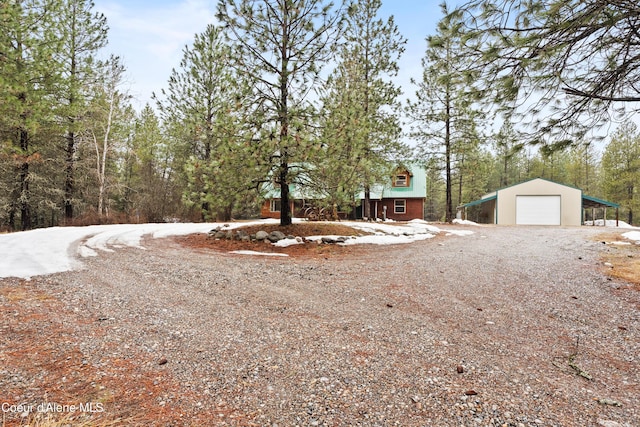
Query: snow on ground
x=57 y=249
x=257 y=253
x=632 y=235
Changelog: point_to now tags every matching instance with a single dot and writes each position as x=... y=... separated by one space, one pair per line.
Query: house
x=534 y=202
x=401 y=198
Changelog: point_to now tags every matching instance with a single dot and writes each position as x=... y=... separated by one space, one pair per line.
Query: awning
x=594 y=202
x=479 y=201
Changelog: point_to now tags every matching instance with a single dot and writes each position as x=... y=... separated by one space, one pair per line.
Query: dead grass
x=45 y=366
x=621 y=259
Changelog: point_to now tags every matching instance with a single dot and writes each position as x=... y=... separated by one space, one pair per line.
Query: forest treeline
x=304 y=92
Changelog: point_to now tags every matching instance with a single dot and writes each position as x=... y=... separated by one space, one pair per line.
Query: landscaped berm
x=302 y=230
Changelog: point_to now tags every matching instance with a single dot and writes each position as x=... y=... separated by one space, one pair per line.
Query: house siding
x=414 y=209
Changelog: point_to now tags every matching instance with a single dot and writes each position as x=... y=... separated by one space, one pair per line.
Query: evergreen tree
x=361 y=106
x=508 y=150
x=148 y=192
x=27 y=78
x=621 y=169
x=205 y=104
x=443 y=115
x=82 y=33
x=561 y=66
x=280 y=46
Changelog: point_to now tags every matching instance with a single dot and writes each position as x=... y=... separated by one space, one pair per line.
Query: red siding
x=414 y=209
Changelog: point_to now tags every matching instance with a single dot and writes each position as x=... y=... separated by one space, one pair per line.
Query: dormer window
x=401 y=180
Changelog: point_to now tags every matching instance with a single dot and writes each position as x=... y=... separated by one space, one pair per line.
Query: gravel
x=510 y=326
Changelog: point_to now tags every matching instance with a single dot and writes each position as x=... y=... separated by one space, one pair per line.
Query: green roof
x=417 y=186
x=480 y=201
x=594 y=202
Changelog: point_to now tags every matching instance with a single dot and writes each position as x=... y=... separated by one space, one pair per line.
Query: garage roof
x=587 y=201
x=593 y=202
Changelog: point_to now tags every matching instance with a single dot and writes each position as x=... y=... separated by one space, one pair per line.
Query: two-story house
x=401 y=198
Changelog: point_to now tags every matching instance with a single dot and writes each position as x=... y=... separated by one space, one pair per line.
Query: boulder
x=219 y=235
x=276 y=236
x=261 y=235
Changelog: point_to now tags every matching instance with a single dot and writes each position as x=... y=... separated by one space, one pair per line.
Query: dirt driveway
x=507 y=326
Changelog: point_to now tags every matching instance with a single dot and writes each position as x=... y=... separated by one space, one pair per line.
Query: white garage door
x=538 y=210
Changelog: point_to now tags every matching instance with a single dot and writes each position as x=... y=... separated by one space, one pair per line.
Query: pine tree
x=362 y=104
x=27 y=77
x=621 y=169
x=280 y=46
x=443 y=113
x=205 y=106
x=563 y=67
x=82 y=33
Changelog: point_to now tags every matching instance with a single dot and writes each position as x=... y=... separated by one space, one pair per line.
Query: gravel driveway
x=505 y=327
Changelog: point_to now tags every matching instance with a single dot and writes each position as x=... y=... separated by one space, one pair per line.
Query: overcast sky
x=149 y=35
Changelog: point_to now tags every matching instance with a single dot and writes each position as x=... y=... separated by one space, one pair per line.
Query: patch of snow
x=257 y=253
x=58 y=249
x=464 y=222
x=609 y=223
x=459 y=232
x=632 y=235
x=287 y=242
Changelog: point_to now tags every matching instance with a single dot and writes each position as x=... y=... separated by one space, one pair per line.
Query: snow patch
x=257 y=253
x=632 y=235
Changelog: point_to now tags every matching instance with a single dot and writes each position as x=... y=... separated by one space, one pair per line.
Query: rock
x=470 y=392
x=219 y=235
x=607 y=423
x=241 y=235
x=609 y=402
x=460 y=369
x=261 y=235
x=328 y=239
x=162 y=361
x=276 y=236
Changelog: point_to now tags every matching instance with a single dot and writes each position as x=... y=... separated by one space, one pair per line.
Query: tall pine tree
x=363 y=102
x=82 y=33
x=281 y=46
x=443 y=114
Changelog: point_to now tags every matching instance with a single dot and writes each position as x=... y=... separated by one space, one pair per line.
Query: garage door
x=538 y=210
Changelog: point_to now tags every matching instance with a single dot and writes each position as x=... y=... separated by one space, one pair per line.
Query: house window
x=400 y=181
x=275 y=205
x=400 y=206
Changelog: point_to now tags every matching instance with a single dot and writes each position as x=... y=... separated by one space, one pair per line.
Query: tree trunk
x=25 y=203
x=447 y=143
x=366 y=209
x=69 y=180
x=285 y=209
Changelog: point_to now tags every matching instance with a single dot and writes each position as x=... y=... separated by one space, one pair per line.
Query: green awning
x=480 y=201
x=594 y=202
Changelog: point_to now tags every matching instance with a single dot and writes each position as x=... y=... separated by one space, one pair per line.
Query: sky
x=150 y=35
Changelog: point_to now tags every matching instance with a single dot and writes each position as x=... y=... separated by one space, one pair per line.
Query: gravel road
x=505 y=327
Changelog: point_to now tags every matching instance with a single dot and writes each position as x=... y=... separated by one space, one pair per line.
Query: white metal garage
x=537 y=201
x=538 y=210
